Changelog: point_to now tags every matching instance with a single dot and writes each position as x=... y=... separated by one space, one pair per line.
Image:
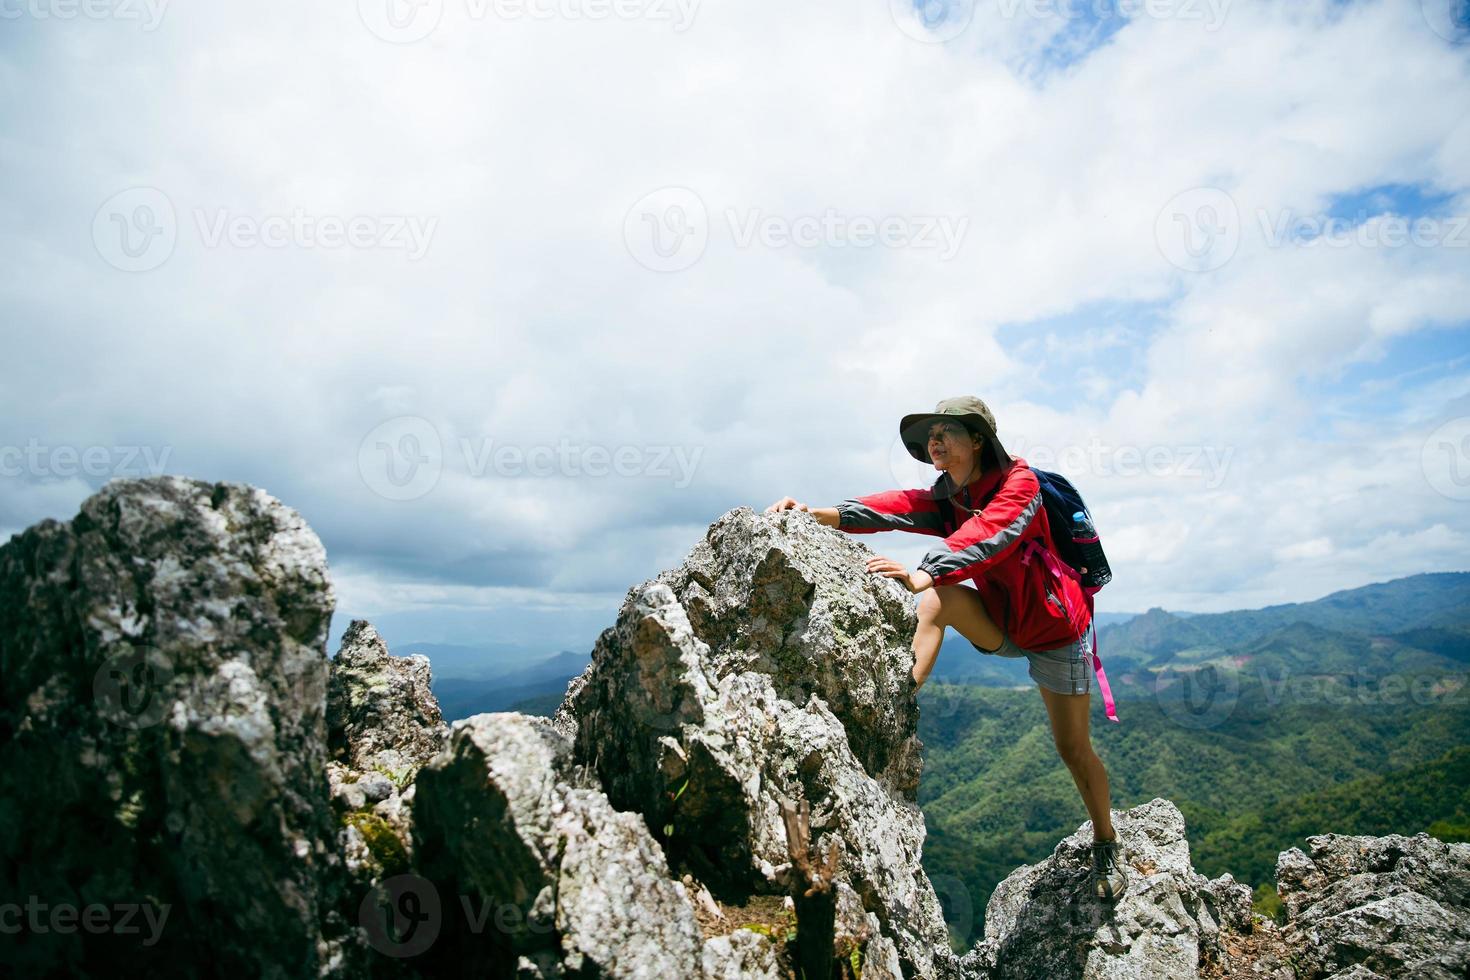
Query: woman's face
x=952 y=447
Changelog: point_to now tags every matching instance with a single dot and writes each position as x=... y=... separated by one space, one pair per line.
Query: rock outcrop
x=1043 y=922
x=571 y=884
x=1364 y=907
x=383 y=724
x=162 y=734
x=175 y=741
x=704 y=719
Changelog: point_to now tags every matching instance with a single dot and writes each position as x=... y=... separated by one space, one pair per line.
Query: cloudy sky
x=512 y=298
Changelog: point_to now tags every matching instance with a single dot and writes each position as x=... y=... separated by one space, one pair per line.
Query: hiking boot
x=1108 y=878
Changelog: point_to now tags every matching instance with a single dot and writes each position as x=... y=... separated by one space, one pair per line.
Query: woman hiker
x=1001 y=524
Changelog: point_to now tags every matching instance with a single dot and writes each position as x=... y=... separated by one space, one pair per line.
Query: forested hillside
x=1263 y=726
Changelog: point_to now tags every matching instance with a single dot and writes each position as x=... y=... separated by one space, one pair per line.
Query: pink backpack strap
x=1058 y=568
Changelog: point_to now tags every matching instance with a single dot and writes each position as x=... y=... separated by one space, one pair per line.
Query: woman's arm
x=826 y=515
x=989 y=534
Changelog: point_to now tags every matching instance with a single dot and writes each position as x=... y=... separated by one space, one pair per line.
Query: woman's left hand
x=888 y=568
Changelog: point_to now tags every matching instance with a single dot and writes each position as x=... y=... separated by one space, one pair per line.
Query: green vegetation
x=1344 y=715
x=382 y=842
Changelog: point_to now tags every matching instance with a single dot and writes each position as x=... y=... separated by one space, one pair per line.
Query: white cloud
x=528 y=321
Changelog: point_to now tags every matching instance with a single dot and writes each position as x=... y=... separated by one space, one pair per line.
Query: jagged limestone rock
x=783 y=596
x=383 y=724
x=1382 y=906
x=381 y=712
x=708 y=757
x=499 y=819
x=1042 y=921
x=741 y=955
x=162 y=739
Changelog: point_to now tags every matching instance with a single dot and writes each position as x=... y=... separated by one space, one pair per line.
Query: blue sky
x=351 y=259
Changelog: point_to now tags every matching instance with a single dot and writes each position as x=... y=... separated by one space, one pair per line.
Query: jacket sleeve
x=892 y=510
x=990 y=534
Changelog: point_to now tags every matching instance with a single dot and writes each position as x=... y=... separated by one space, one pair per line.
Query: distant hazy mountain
x=460 y=697
x=1437 y=605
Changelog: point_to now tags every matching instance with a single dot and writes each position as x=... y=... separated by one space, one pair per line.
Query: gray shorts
x=1065 y=669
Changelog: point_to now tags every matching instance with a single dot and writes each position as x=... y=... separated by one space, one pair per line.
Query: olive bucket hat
x=967 y=410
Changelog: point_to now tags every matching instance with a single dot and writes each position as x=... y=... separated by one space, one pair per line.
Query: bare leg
x=950 y=605
x=1069 y=730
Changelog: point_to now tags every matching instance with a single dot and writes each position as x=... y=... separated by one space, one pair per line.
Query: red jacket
x=1023 y=599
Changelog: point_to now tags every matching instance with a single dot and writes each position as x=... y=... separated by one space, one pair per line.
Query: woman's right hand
x=787 y=503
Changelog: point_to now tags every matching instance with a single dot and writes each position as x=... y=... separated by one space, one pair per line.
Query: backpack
x=1078 y=546
x=1077 y=542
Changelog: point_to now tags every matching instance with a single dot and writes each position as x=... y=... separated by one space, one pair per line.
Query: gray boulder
x=162 y=740
x=502 y=826
x=783 y=596
x=1042 y=921
x=706 y=741
x=1388 y=906
x=383 y=724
